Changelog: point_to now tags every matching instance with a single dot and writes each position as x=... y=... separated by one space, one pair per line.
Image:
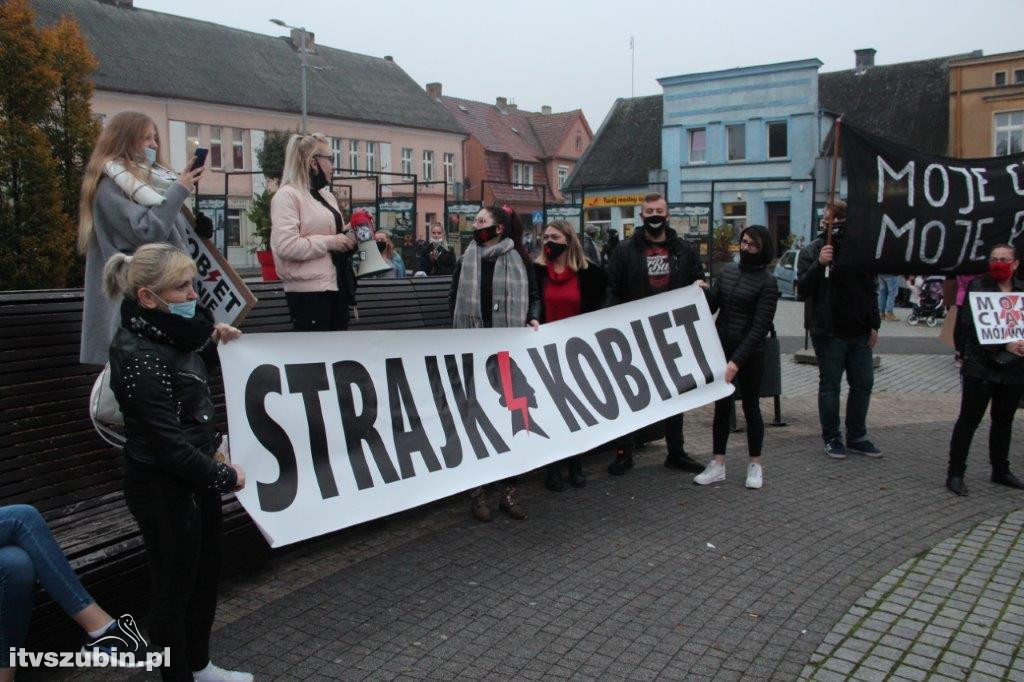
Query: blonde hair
x=574 y=259
x=153 y=266
x=120 y=140
x=300 y=151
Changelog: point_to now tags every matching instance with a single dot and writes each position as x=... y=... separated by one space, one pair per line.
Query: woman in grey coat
x=129 y=198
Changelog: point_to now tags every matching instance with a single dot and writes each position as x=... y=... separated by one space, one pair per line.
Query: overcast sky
x=575 y=54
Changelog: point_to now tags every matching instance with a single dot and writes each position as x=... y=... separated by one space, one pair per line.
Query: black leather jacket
x=160 y=381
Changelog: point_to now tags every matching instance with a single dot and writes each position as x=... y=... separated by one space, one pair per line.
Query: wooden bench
x=51 y=458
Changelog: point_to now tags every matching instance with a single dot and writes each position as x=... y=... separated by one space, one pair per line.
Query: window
x=449 y=167
x=336 y=152
x=1018 y=76
x=371 y=156
x=353 y=155
x=698 y=145
x=428 y=165
x=1009 y=133
x=999 y=78
x=215 y=153
x=563 y=175
x=579 y=140
x=522 y=175
x=238 y=149
x=233 y=230
x=778 y=142
x=191 y=139
x=406 y=161
x=736 y=216
x=737 y=140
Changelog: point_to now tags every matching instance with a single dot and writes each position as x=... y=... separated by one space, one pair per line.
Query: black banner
x=915 y=214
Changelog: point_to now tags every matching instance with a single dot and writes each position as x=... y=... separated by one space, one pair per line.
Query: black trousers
x=318 y=311
x=748 y=381
x=181 y=530
x=673 y=427
x=977 y=394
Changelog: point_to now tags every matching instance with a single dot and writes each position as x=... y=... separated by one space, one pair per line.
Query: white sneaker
x=755 y=476
x=213 y=673
x=713 y=473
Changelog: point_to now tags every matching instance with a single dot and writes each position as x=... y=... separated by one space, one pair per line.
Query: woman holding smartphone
x=129 y=198
x=311 y=244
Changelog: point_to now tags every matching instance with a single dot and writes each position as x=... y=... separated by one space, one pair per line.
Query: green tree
x=71 y=127
x=259 y=214
x=271 y=153
x=36 y=236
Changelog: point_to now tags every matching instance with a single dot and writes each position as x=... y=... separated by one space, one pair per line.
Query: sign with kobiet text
x=220 y=289
x=998 y=317
x=334 y=429
x=914 y=213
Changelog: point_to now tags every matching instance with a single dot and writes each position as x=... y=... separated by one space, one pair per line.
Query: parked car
x=785 y=273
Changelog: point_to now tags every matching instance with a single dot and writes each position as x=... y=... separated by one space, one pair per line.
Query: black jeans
x=318 y=311
x=977 y=393
x=181 y=530
x=748 y=381
x=673 y=438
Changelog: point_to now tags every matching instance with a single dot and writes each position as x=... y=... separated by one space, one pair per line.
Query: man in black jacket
x=653 y=260
x=841 y=313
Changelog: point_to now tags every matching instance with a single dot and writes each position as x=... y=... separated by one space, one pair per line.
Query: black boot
x=577 y=479
x=623 y=463
x=1007 y=479
x=685 y=462
x=956 y=485
x=553 y=481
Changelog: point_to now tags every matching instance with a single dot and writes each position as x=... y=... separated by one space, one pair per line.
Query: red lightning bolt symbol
x=513 y=402
x=213 y=276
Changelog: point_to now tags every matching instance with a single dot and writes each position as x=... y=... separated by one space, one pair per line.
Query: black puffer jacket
x=627 y=267
x=160 y=381
x=593 y=288
x=745 y=297
x=991 y=362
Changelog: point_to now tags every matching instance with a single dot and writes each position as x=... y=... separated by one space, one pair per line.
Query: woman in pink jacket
x=311 y=243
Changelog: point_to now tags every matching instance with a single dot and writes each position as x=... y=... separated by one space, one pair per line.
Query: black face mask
x=552 y=250
x=317 y=179
x=654 y=224
x=382 y=246
x=485 y=234
x=750 y=260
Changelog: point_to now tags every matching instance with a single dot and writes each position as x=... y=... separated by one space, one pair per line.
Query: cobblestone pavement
x=642 y=577
x=954 y=613
x=908 y=374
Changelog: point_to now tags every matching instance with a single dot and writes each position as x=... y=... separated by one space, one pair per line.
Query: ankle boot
x=577 y=479
x=553 y=479
x=478 y=505
x=623 y=463
x=510 y=504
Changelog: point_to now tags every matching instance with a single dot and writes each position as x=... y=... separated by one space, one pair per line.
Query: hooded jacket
x=745 y=296
x=627 y=266
x=991 y=362
x=844 y=304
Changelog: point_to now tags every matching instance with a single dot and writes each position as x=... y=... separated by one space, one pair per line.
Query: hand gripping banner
x=338 y=428
x=913 y=213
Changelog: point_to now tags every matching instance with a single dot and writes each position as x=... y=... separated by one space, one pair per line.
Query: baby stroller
x=929 y=309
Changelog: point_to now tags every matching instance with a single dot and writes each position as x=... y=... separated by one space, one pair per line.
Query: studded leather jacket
x=160 y=381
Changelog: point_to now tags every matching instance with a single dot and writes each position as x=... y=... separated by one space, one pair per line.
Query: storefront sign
x=614 y=200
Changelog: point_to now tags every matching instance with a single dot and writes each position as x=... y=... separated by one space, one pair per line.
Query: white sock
x=96 y=633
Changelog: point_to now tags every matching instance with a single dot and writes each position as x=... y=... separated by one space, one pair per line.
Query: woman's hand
x=189 y=178
x=343 y=242
x=730 y=371
x=241 y=477
x=225 y=332
x=1016 y=347
x=533 y=323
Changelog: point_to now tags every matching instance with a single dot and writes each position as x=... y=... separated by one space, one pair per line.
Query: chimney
x=864 y=59
x=545 y=110
x=388 y=58
x=296 y=38
x=130 y=4
x=434 y=90
x=501 y=103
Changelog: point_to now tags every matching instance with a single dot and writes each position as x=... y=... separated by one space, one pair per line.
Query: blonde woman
x=172 y=482
x=310 y=241
x=129 y=198
x=569 y=285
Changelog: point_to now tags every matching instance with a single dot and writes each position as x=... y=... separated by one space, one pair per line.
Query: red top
x=657 y=267
x=561 y=295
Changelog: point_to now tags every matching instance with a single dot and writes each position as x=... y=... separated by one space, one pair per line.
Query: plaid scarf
x=510 y=291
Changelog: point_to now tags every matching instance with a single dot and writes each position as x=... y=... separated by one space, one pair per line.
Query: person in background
x=590 y=246
x=610 y=243
x=652 y=261
x=390 y=256
x=745 y=296
x=888 y=287
x=992 y=373
x=569 y=284
x=438 y=258
x=841 y=313
x=494 y=286
x=129 y=198
x=312 y=246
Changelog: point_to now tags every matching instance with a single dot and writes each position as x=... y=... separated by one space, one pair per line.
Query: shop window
x=736 y=138
x=233 y=229
x=698 y=145
x=778 y=140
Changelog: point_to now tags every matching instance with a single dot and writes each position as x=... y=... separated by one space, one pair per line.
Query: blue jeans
x=888 y=287
x=28 y=551
x=855 y=358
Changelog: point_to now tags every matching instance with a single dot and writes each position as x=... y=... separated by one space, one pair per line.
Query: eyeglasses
x=1004 y=259
x=323 y=156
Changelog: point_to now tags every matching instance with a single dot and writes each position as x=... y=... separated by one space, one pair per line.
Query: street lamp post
x=305 y=66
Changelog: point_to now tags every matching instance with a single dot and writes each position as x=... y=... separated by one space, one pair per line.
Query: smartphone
x=199 y=159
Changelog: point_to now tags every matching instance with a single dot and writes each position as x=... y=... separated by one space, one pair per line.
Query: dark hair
x=1004 y=246
x=837 y=208
x=504 y=215
x=653 y=196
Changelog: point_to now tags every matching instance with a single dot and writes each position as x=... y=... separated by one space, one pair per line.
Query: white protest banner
x=219 y=287
x=998 y=317
x=338 y=428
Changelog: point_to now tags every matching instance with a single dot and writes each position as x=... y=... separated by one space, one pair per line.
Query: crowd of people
x=141 y=316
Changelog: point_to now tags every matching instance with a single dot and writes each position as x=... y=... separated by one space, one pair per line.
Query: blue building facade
x=749 y=135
